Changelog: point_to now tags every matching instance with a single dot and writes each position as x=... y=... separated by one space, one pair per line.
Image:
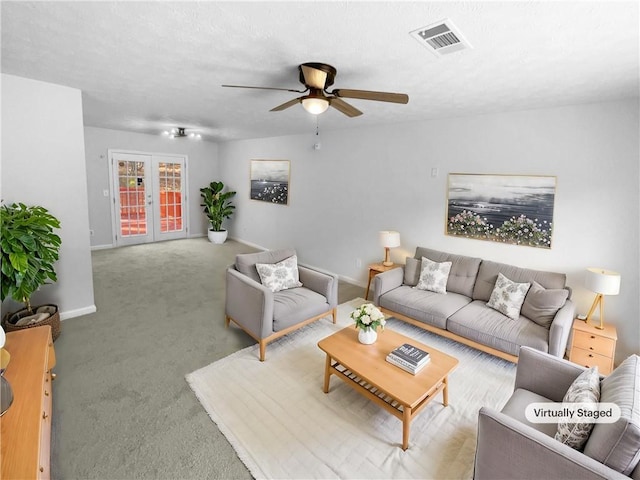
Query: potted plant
x=30 y=249
x=217 y=206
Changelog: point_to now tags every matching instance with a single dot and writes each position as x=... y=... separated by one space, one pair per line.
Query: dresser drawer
x=589 y=359
x=594 y=343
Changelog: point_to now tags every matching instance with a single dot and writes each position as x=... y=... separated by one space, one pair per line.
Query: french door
x=148 y=197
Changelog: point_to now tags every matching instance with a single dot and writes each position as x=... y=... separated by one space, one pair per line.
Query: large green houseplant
x=217 y=206
x=30 y=248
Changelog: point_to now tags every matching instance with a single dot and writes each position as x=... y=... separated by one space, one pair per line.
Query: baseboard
x=102 y=247
x=78 y=312
x=245 y=242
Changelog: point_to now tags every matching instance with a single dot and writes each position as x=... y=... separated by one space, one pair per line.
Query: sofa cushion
x=617 y=445
x=246 y=262
x=584 y=389
x=507 y=296
x=463 y=272
x=281 y=275
x=488 y=274
x=541 y=304
x=516 y=408
x=433 y=276
x=422 y=305
x=412 y=271
x=292 y=306
x=489 y=327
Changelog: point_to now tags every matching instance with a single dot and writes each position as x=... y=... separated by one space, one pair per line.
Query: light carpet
x=283 y=426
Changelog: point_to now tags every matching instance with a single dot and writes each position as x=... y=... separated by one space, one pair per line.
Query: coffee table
x=365 y=369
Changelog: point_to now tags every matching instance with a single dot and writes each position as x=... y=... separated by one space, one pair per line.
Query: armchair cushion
x=296 y=305
x=246 y=262
x=280 y=276
x=618 y=444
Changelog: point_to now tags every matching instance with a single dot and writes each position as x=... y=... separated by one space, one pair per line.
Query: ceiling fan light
x=314 y=105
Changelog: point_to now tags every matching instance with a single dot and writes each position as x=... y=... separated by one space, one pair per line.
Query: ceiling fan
x=317 y=78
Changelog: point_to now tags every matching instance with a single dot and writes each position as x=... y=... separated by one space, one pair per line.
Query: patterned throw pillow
x=584 y=389
x=434 y=276
x=281 y=275
x=507 y=296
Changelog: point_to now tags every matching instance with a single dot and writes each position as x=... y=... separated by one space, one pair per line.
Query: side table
x=375 y=269
x=591 y=346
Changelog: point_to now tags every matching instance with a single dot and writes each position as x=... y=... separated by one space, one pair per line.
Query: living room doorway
x=148 y=197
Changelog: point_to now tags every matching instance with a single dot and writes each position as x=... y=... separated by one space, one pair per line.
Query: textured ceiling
x=147 y=66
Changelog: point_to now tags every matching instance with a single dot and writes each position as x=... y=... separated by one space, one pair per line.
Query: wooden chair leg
x=263 y=348
x=226 y=321
x=334 y=313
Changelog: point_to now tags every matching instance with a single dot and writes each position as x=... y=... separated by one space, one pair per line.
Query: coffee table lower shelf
x=404 y=412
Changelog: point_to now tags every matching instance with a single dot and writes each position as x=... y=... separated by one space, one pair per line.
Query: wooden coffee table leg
x=445 y=392
x=406 y=423
x=327 y=374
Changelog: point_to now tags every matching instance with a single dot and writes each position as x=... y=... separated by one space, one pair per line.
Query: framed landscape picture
x=270 y=181
x=516 y=209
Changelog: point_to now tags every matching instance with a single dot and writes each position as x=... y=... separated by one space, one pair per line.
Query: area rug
x=282 y=425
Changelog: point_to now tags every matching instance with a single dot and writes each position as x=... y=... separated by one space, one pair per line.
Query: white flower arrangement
x=368 y=317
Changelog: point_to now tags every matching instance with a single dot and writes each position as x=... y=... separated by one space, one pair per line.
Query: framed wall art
x=516 y=209
x=270 y=181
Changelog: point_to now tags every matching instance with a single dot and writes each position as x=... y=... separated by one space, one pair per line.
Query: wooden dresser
x=25 y=428
x=591 y=346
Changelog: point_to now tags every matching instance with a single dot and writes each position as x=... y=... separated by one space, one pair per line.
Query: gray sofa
x=462 y=313
x=511 y=447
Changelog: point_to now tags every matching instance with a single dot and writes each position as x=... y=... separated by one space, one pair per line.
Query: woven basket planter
x=53 y=321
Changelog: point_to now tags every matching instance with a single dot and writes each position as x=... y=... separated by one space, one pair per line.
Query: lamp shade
x=602 y=281
x=389 y=239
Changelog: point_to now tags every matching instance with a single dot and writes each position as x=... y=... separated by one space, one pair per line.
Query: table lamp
x=389 y=239
x=602 y=282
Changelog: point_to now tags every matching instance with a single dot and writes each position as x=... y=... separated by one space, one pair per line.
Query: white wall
x=365 y=180
x=43 y=164
x=202 y=168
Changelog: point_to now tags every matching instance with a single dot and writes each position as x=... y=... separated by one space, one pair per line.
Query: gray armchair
x=510 y=447
x=265 y=315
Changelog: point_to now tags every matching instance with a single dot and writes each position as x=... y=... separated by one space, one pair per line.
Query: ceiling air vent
x=441 y=38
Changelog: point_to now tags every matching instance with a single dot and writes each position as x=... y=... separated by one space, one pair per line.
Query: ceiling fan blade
x=344 y=107
x=285 y=105
x=370 y=95
x=313 y=77
x=265 y=88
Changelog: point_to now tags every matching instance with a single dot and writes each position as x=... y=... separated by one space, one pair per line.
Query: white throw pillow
x=584 y=389
x=507 y=296
x=434 y=276
x=281 y=275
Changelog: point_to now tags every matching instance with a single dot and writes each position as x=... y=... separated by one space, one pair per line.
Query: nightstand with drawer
x=591 y=346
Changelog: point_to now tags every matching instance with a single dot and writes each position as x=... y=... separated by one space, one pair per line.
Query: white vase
x=217 y=237
x=367 y=336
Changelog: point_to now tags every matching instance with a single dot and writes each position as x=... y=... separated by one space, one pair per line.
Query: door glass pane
x=133 y=210
x=170 y=197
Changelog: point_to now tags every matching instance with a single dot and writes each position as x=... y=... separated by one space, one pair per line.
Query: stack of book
x=409 y=358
